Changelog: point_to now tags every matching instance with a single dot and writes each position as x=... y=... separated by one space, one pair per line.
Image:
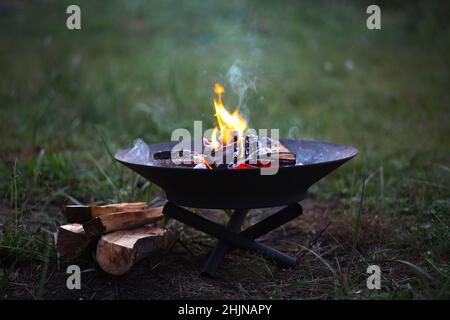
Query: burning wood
x=231 y=145
x=253 y=152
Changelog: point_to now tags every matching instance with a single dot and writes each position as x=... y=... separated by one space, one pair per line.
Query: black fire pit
x=241 y=190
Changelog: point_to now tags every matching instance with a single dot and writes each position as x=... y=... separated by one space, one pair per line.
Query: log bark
x=72 y=240
x=82 y=213
x=121 y=220
x=117 y=252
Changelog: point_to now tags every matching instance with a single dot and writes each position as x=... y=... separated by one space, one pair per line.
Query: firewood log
x=81 y=213
x=121 y=220
x=72 y=241
x=284 y=158
x=287 y=158
x=118 y=251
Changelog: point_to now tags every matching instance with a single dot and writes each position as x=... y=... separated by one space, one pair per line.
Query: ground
x=140 y=69
x=174 y=274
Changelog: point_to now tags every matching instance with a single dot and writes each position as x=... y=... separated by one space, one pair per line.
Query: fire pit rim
x=244 y=189
x=118 y=156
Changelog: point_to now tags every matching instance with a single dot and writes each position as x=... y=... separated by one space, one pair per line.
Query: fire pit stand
x=242 y=189
x=230 y=237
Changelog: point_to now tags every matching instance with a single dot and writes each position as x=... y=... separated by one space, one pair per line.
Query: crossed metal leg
x=230 y=237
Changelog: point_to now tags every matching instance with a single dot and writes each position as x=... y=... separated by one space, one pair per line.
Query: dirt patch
x=174 y=274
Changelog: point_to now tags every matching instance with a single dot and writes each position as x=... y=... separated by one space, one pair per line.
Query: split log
x=81 y=213
x=121 y=220
x=162 y=155
x=282 y=148
x=118 y=251
x=287 y=159
x=284 y=158
x=72 y=240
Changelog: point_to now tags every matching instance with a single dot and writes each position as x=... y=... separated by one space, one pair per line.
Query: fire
x=229 y=123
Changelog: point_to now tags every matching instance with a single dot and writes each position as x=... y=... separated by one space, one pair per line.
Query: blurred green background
x=143 y=68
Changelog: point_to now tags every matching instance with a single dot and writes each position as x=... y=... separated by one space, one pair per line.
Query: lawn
x=140 y=69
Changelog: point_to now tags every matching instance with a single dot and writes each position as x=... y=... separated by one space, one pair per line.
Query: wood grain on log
x=118 y=251
x=121 y=220
x=72 y=241
x=82 y=213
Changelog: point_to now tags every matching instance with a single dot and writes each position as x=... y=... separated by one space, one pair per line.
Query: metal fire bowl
x=243 y=188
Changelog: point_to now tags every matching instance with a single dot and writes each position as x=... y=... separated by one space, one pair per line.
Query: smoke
x=295 y=132
x=241 y=84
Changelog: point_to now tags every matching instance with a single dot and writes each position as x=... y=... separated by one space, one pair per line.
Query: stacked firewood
x=121 y=234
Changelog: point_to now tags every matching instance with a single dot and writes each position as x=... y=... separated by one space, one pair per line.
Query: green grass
x=69 y=99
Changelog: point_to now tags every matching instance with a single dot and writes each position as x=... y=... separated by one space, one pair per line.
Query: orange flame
x=229 y=123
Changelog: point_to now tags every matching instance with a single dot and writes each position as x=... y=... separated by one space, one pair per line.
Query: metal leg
x=257 y=230
x=271 y=223
x=218 y=253
x=222 y=233
x=274 y=221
